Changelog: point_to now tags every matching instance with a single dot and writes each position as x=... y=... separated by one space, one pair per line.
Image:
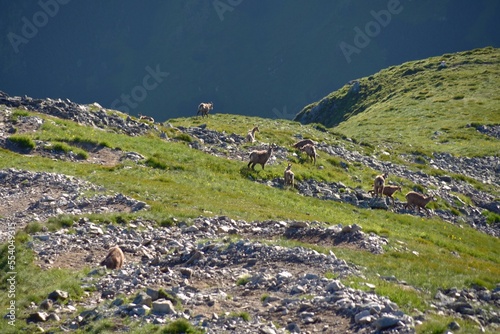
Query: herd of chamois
x=115 y=257
x=380 y=188
x=260 y=157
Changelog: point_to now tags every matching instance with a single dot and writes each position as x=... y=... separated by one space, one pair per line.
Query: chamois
x=147 y=118
x=378 y=184
x=311 y=152
x=419 y=200
x=260 y=157
x=251 y=135
x=289 y=176
x=388 y=191
x=114 y=259
x=301 y=143
x=204 y=108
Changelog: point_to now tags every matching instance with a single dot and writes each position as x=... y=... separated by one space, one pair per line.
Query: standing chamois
x=204 y=108
x=378 y=184
x=289 y=176
x=418 y=200
x=260 y=157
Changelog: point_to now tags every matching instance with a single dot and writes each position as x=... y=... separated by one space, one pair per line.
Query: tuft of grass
x=243 y=315
x=243 y=280
x=61 y=221
x=19 y=113
x=23 y=142
x=491 y=217
x=180 y=326
x=184 y=137
x=33 y=227
x=82 y=155
x=102 y=326
x=164 y=294
x=156 y=163
x=331 y=275
x=66 y=149
x=83 y=142
x=61 y=147
x=167 y=222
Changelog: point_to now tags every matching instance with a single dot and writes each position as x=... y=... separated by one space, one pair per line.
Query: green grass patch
x=414 y=117
x=23 y=142
x=243 y=280
x=243 y=315
x=491 y=217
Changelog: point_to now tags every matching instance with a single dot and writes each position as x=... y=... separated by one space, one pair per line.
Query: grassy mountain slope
x=181 y=183
x=419 y=104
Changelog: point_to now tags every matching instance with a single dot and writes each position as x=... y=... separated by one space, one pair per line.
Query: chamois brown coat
x=260 y=157
x=204 y=108
x=414 y=199
x=300 y=144
x=146 y=118
x=289 y=176
x=378 y=184
x=251 y=134
x=388 y=191
x=114 y=259
x=311 y=152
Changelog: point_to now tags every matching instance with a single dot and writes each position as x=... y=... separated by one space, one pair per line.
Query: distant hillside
x=437 y=97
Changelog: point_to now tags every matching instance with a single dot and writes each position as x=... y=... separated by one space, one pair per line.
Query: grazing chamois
x=418 y=200
x=204 y=108
x=311 y=152
x=302 y=143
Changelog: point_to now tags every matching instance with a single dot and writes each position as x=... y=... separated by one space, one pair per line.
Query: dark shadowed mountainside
x=257 y=58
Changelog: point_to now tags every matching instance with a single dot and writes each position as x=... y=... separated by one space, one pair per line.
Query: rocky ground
x=198 y=271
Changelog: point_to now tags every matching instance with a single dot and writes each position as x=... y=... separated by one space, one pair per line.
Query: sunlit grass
x=180 y=183
x=418 y=106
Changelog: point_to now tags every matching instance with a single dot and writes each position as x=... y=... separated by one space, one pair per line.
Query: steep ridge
x=437 y=97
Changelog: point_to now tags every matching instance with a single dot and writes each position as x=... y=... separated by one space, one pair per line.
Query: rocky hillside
x=217 y=248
